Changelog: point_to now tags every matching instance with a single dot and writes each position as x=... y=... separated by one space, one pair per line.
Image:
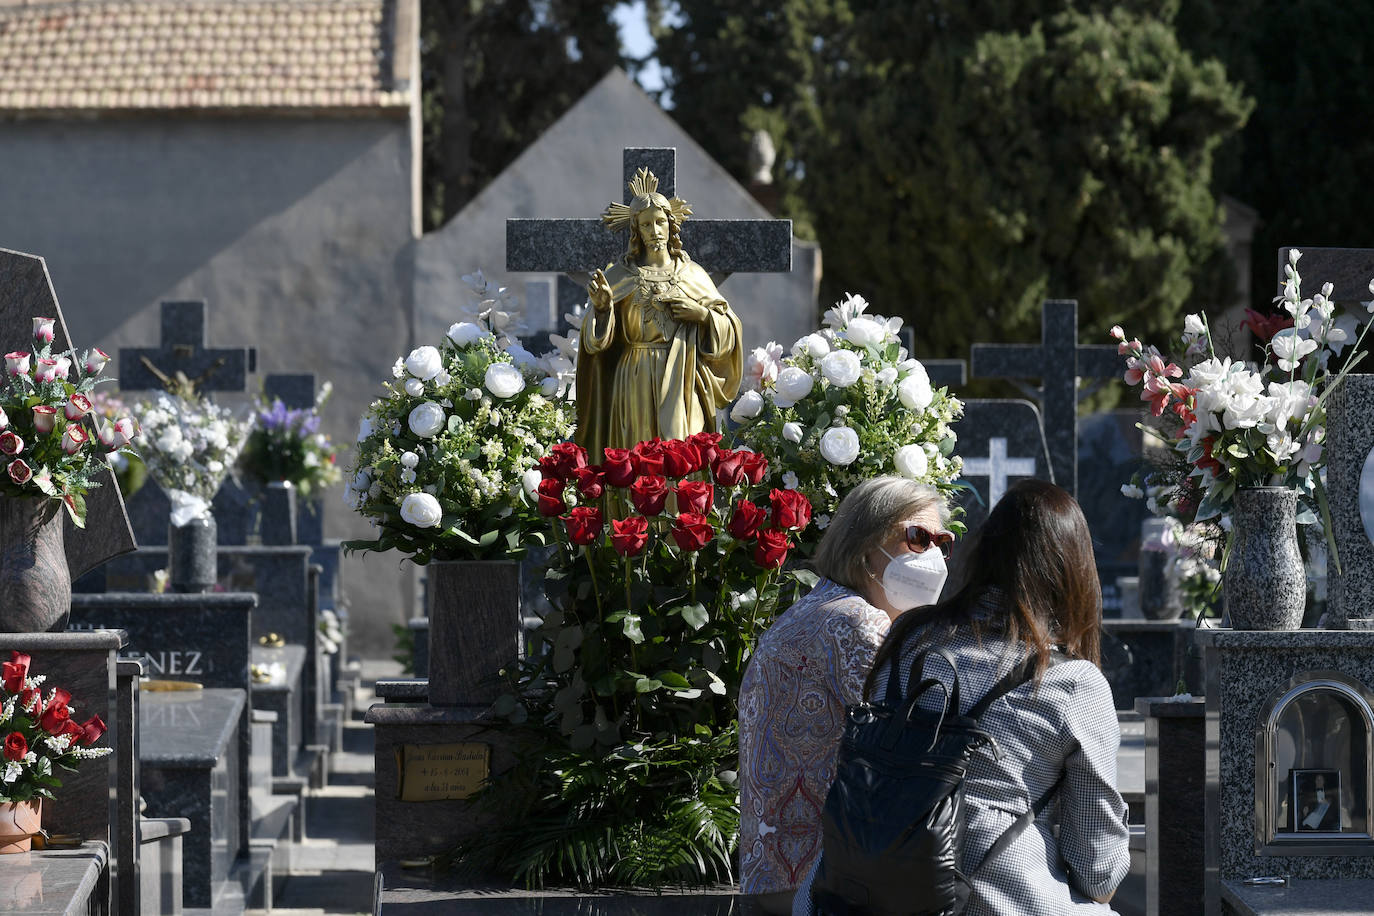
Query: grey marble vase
x=192 y=555
x=1265 y=584
x=35 y=583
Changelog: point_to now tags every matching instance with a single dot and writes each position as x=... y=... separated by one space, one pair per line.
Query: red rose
x=745 y=523
x=648 y=457
x=771 y=549
x=649 y=493
x=680 y=458
x=70 y=727
x=728 y=467
x=30 y=701
x=707 y=445
x=91 y=730
x=584 y=524
x=590 y=481
x=20 y=472
x=692 y=531
x=550 y=492
x=14 y=671
x=549 y=467
x=570 y=456
x=791 y=509
x=629 y=535
x=617 y=466
x=54 y=718
x=694 y=496
x=755 y=466
x=15 y=747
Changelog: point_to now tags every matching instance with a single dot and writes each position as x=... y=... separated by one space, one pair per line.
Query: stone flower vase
x=35 y=583
x=474 y=628
x=1265 y=584
x=19 y=821
x=192 y=555
x=277 y=522
x=1159 y=593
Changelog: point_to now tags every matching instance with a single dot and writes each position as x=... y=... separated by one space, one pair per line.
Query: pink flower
x=44 y=418
x=96 y=359
x=77 y=406
x=17 y=363
x=19 y=471
x=64 y=366
x=10 y=443
x=1135 y=371
x=124 y=431
x=1117 y=333
x=42 y=329
x=73 y=438
x=105 y=433
x=45 y=371
x=4 y=418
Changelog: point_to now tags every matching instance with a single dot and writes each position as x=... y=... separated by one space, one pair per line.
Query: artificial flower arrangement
x=108 y=407
x=51 y=444
x=847 y=404
x=671 y=561
x=1191 y=563
x=40 y=734
x=1236 y=424
x=286 y=445
x=446 y=466
x=190 y=444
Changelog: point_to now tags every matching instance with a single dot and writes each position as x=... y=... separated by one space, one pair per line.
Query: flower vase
x=19 y=822
x=277 y=524
x=474 y=628
x=1159 y=593
x=192 y=555
x=35 y=583
x=1265 y=584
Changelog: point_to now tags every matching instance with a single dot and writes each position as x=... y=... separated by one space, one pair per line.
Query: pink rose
x=124 y=431
x=17 y=363
x=77 y=406
x=106 y=434
x=96 y=359
x=45 y=370
x=20 y=472
x=64 y=366
x=10 y=443
x=44 y=417
x=42 y=329
x=4 y=418
x=73 y=438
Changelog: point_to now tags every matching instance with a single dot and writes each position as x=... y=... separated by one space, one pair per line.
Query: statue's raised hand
x=599 y=291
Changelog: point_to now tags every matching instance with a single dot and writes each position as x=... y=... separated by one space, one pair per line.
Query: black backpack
x=893 y=822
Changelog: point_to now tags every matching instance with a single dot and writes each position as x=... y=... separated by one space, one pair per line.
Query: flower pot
x=1159 y=595
x=19 y=821
x=1264 y=583
x=277 y=525
x=474 y=628
x=35 y=583
x=191 y=555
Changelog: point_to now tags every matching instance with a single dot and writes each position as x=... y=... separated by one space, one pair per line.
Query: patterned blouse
x=809 y=664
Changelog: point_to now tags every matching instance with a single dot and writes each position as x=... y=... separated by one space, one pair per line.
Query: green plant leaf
x=695 y=615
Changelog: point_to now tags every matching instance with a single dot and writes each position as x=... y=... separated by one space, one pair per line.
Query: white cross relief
x=997 y=467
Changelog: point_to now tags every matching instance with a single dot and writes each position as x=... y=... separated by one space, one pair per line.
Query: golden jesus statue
x=660 y=349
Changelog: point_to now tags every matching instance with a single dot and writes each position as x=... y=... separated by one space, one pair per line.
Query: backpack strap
x=1025 y=820
x=1014 y=678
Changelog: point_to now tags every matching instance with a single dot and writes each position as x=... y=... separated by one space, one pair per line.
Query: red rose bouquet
x=39 y=734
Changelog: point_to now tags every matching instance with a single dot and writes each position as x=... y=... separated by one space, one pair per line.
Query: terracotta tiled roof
x=101 y=55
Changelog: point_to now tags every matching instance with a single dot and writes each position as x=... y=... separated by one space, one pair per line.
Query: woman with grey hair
x=883 y=554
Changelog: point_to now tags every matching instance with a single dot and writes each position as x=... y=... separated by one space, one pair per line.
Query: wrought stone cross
x=183 y=356
x=1058 y=362
x=578 y=246
x=997 y=467
x=25 y=293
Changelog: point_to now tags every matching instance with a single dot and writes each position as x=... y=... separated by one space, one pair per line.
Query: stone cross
x=997 y=467
x=579 y=246
x=295 y=390
x=183 y=351
x=1058 y=362
x=998 y=440
x=26 y=293
x=944 y=373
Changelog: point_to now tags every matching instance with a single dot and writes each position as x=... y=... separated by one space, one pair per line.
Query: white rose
x=1192 y=324
x=504 y=380
x=794 y=383
x=213 y=466
x=549 y=387
x=840 y=445
x=887 y=376
x=409 y=460
x=521 y=357
x=427 y=419
x=424 y=363
x=813 y=345
x=841 y=368
x=915 y=392
x=364 y=428
x=911 y=461
x=465 y=332
x=749 y=405
x=864 y=332
x=792 y=432
x=414 y=387
x=442 y=378
x=421 y=510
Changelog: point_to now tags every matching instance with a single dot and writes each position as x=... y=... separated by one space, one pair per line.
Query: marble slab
x=1333 y=897
x=55 y=881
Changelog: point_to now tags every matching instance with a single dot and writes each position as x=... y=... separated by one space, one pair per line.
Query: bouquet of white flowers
x=189 y=445
x=848 y=404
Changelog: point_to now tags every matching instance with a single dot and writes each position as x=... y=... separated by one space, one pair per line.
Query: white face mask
x=914 y=579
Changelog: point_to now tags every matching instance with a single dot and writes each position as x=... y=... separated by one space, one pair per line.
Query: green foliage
x=405 y=647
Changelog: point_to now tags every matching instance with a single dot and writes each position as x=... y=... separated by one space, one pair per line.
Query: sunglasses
x=919 y=538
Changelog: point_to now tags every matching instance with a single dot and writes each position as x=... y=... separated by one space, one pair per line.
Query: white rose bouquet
x=446 y=466
x=847 y=404
x=189 y=446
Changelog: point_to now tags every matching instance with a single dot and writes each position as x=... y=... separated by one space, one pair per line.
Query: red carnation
x=728 y=467
x=746 y=521
x=629 y=535
x=791 y=509
x=649 y=493
x=694 y=496
x=550 y=493
x=617 y=466
x=590 y=481
x=692 y=531
x=584 y=524
x=771 y=549
x=648 y=457
x=91 y=730
x=680 y=458
x=15 y=747
x=14 y=671
x=707 y=444
x=755 y=467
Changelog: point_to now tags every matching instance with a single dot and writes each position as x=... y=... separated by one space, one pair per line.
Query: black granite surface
x=1330 y=897
x=183 y=350
x=188 y=728
x=1000 y=441
x=53 y=881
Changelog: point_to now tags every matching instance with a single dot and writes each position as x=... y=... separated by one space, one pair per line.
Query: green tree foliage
x=959 y=162
x=495 y=74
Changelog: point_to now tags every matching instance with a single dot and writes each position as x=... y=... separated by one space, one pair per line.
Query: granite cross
x=1058 y=362
x=183 y=353
x=997 y=467
x=944 y=373
x=25 y=293
x=579 y=246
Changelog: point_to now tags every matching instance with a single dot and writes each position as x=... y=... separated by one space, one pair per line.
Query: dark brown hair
x=1035 y=550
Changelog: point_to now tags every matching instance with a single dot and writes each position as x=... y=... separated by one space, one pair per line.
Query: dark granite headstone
x=235 y=511
x=295 y=390
x=1000 y=441
x=1350 y=492
x=150 y=513
x=1175 y=803
x=183 y=350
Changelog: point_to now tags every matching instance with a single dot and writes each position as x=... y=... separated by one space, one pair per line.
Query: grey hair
x=867 y=518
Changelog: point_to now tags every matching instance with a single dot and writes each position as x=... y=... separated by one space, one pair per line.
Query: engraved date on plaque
x=438 y=772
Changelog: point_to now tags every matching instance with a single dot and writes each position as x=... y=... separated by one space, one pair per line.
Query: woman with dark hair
x=882 y=554
x=1029 y=592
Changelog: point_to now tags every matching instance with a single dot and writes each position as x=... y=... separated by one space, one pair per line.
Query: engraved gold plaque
x=441 y=772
